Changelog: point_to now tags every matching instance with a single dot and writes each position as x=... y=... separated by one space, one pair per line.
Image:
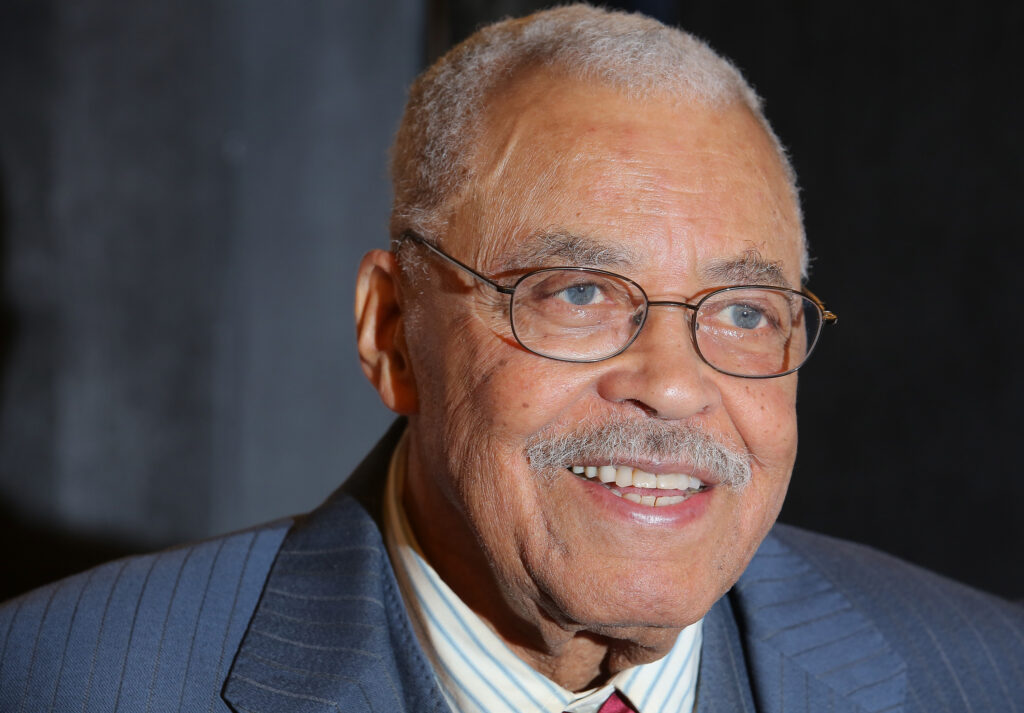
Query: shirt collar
x=479 y=673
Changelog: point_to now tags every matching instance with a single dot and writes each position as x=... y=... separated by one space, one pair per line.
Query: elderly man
x=591 y=319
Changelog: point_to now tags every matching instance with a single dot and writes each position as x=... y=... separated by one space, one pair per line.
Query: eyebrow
x=751 y=268
x=567 y=249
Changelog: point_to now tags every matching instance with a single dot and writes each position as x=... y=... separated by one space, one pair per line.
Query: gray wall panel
x=187 y=191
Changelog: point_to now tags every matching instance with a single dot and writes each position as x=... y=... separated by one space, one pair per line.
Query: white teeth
x=669 y=481
x=623 y=477
x=644 y=480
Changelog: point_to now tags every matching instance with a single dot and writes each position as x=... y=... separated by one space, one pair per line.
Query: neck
x=585 y=660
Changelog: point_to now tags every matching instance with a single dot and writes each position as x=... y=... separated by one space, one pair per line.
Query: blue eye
x=580 y=295
x=745 y=316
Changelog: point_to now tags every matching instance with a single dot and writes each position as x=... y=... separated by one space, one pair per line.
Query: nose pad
x=662 y=371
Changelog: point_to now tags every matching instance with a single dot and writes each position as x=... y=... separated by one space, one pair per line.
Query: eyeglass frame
x=826 y=316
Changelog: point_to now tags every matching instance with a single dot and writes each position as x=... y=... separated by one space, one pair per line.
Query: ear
x=379 y=333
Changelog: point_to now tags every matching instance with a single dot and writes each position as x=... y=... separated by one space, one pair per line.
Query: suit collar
x=330 y=631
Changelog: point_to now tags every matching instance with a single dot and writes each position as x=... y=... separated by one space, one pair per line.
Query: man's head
x=603 y=141
x=444 y=117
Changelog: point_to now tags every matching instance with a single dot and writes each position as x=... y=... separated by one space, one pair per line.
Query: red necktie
x=616 y=703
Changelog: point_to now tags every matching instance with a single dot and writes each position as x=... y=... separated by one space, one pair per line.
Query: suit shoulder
x=859 y=568
x=957 y=647
x=849 y=622
x=154 y=627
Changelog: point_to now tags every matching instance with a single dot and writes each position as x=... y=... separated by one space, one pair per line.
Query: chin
x=628 y=601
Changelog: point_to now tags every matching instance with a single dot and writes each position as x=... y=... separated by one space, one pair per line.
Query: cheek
x=516 y=394
x=485 y=397
x=764 y=414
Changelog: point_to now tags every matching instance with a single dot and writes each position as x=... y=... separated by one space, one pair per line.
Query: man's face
x=678 y=198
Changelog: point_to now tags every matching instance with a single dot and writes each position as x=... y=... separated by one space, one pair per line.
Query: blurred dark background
x=186 y=189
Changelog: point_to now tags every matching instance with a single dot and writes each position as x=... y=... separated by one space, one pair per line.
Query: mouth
x=639 y=486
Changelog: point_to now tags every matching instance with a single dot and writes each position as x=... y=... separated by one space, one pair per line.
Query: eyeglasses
x=581 y=314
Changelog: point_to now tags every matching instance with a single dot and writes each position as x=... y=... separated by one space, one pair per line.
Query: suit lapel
x=723 y=686
x=808 y=648
x=330 y=632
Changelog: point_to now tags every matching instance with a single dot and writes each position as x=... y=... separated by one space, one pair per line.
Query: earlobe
x=380 y=335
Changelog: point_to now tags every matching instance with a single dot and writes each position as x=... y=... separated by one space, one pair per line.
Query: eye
x=745 y=312
x=559 y=293
x=580 y=295
x=744 y=316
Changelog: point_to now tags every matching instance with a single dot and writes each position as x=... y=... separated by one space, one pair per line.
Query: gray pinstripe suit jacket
x=305 y=616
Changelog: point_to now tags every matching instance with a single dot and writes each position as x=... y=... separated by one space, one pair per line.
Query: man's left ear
x=380 y=335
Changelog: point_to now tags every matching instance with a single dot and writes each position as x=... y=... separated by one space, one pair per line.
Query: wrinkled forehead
x=573 y=173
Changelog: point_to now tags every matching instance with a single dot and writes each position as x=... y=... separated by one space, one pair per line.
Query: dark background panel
x=185 y=192
x=188 y=189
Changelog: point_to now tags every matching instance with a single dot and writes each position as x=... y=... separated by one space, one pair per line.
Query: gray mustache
x=620 y=441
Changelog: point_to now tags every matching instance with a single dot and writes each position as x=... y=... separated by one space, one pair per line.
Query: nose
x=661 y=371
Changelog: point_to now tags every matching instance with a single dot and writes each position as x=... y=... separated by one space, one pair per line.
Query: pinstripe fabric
x=723 y=685
x=813 y=645
x=122 y=637
x=839 y=627
x=331 y=631
x=814 y=626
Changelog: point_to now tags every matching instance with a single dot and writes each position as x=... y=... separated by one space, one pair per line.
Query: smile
x=640 y=484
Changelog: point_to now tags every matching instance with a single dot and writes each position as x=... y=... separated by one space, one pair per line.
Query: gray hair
x=636 y=55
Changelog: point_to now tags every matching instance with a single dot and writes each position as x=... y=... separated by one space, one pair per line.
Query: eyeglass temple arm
x=828 y=316
x=409 y=235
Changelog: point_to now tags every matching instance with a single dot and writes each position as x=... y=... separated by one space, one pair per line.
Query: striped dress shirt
x=478 y=673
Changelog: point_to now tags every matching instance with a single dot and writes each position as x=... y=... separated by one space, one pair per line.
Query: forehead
x=638 y=185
